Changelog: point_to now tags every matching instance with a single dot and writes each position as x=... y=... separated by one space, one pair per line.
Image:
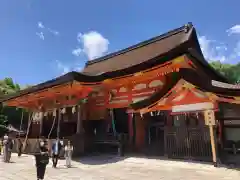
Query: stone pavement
x=113 y=168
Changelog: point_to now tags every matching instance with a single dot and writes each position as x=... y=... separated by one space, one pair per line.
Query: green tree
x=9 y=115
x=3 y=124
x=230 y=71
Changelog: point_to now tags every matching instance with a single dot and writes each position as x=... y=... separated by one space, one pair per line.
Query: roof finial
x=190 y=24
x=187 y=27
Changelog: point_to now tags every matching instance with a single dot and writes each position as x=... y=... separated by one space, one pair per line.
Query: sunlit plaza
x=112 y=167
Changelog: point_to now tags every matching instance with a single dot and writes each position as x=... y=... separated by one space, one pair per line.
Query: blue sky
x=41 y=39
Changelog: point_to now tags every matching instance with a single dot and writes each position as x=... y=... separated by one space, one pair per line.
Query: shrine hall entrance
x=121 y=120
x=155 y=134
x=183 y=136
x=187 y=137
x=105 y=135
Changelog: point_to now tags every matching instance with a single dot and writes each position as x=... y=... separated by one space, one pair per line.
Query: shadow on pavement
x=99 y=159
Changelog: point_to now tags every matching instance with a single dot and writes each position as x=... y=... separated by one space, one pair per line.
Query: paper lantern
x=63 y=111
x=73 y=109
x=55 y=112
x=151 y=113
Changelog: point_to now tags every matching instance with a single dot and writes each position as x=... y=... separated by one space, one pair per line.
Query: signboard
x=209 y=117
x=193 y=107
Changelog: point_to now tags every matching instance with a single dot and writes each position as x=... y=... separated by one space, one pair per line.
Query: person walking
x=10 y=148
x=20 y=146
x=5 y=148
x=56 y=148
x=68 y=153
x=42 y=158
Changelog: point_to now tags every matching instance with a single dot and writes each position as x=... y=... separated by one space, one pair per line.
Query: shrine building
x=159 y=97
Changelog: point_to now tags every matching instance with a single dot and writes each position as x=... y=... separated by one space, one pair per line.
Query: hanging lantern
x=45 y=113
x=197 y=114
x=55 y=112
x=151 y=113
x=63 y=111
x=34 y=117
x=177 y=118
x=40 y=115
x=37 y=117
x=73 y=109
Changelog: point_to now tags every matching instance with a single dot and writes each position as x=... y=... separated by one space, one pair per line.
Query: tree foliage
x=8 y=114
x=230 y=71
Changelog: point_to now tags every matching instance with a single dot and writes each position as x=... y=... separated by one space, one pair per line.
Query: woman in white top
x=68 y=153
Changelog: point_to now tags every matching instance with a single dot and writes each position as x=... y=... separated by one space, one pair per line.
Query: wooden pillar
x=211 y=122
x=79 y=121
x=130 y=126
x=28 y=129
x=41 y=124
x=213 y=145
x=59 y=121
x=78 y=138
x=140 y=132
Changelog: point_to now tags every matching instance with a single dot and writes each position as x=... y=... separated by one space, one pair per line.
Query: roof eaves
x=192 y=53
x=48 y=84
x=202 y=83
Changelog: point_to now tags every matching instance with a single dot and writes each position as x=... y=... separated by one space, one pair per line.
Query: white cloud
x=94 y=44
x=212 y=50
x=77 y=51
x=236 y=50
x=63 y=68
x=56 y=33
x=40 y=35
x=40 y=25
x=234 y=30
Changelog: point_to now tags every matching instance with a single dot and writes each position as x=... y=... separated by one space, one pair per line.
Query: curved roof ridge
x=184 y=28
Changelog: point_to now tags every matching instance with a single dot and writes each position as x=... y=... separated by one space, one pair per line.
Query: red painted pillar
x=140 y=132
x=130 y=126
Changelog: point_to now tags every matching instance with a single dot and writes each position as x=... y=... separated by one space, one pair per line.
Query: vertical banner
x=113 y=122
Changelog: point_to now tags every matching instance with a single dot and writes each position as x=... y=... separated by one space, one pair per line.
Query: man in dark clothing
x=10 y=148
x=56 y=148
x=42 y=158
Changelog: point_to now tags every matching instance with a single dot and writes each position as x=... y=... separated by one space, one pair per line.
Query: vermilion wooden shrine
x=161 y=95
